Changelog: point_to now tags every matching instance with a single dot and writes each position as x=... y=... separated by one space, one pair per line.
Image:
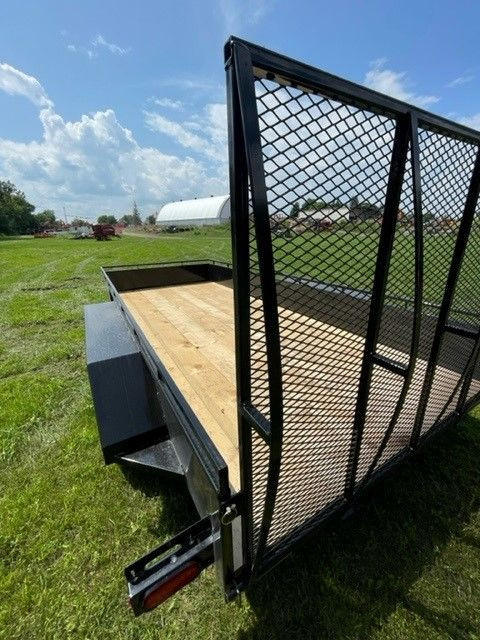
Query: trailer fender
x=119 y=381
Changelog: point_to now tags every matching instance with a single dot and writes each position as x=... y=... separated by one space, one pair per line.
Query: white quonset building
x=194 y=213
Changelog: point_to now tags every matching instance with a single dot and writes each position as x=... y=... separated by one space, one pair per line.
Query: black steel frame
x=244 y=62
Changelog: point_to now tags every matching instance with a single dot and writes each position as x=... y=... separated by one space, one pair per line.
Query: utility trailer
x=283 y=385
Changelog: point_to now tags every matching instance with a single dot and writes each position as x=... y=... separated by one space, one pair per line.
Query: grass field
x=406 y=566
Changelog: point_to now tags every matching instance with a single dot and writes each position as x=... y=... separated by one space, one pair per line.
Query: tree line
x=354 y=204
x=16 y=213
x=18 y=217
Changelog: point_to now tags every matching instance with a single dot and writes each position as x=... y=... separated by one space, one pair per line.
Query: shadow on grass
x=354 y=573
x=178 y=510
x=348 y=579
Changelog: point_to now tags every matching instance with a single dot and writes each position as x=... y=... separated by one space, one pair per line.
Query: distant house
x=364 y=211
x=80 y=230
x=334 y=214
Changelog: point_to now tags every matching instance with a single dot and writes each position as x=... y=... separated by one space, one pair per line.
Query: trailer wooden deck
x=191 y=327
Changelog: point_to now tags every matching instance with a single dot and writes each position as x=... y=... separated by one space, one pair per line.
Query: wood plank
x=192 y=353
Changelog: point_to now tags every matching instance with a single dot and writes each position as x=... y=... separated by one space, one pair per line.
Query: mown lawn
x=406 y=566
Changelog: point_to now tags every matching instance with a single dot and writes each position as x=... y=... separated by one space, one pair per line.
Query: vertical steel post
x=418 y=295
x=392 y=201
x=251 y=132
x=238 y=173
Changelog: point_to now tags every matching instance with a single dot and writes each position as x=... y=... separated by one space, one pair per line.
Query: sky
x=104 y=103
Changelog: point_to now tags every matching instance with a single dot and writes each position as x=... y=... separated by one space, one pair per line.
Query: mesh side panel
x=446 y=166
x=465 y=308
x=326 y=170
x=383 y=398
x=326 y=166
x=394 y=339
x=475 y=384
x=443 y=194
x=453 y=358
x=446 y=169
x=258 y=358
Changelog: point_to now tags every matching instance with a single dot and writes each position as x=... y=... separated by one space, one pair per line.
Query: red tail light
x=176 y=581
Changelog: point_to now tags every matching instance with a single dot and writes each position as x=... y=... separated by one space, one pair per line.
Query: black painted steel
x=246 y=94
x=453 y=274
x=238 y=174
x=160 y=457
x=408 y=370
x=346 y=328
x=385 y=247
x=119 y=384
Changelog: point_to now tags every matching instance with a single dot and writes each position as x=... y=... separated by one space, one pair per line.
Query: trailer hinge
x=231 y=509
x=229 y=514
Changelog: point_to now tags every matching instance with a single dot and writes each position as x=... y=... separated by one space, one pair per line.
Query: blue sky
x=105 y=102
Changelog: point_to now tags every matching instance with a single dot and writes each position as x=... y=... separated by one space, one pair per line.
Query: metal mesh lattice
x=443 y=194
x=446 y=165
x=326 y=166
x=333 y=161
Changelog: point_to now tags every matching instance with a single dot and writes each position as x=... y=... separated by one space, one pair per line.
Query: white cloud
x=471 y=121
x=99 y=41
x=169 y=103
x=212 y=142
x=463 y=79
x=395 y=84
x=84 y=50
x=15 y=82
x=237 y=14
x=192 y=84
x=95 y=163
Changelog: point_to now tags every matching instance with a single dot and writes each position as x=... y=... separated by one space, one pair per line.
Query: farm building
x=334 y=214
x=197 y=212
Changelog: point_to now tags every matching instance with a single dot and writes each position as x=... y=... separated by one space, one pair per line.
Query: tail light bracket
x=164 y=564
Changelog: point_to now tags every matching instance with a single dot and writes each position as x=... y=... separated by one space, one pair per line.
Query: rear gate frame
x=244 y=62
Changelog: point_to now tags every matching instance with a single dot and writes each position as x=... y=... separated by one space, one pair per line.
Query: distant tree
x=16 y=213
x=313 y=204
x=151 y=219
x=106 y=219
x=46 y=218
x=127 y=220
x=366 y=211
x=79 y=222
x=353 y=203
x=295 y=210
x=136 y=219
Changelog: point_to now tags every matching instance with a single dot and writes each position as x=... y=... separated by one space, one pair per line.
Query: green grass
x=406 y=566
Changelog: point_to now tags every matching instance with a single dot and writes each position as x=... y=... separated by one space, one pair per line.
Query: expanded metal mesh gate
x=356 y=245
